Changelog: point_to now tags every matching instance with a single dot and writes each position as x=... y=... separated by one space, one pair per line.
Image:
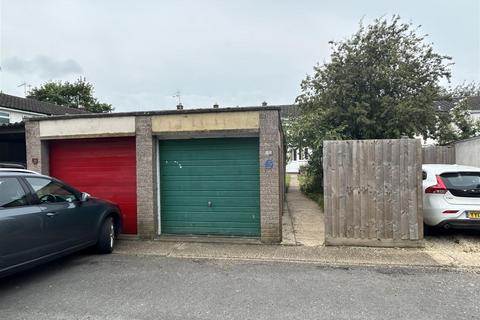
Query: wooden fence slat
x=419 y=197
x=372 y=232
x=334 y=190
x=363 y=151
x=412 y=191
x=396 y=192
x=349 y=193
x=379 y=189
x=387 y=163
x=341 y=189
x=356 y=199
x=401 y=203
x=327 y=193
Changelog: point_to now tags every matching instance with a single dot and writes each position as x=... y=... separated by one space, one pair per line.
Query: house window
x=306 y=153
x=4 y=118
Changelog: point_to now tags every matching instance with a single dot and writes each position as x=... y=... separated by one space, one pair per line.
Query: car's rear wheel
x=426 y=229
x=106 y=238
x=429 y=230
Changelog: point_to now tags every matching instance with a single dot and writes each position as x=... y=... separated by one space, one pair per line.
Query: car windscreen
x=462 y=184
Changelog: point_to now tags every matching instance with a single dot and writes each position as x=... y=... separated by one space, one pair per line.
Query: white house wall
x=467 y=152
x=475 y=114
x=17 y=115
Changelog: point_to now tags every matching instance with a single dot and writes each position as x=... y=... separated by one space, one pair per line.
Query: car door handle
x=51 y=214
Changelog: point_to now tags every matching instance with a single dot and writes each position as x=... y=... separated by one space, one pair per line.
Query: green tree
x=454 y=121
x=70 y=94
x=379 y=83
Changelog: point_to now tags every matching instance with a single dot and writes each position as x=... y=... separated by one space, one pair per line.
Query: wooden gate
x=373 y=193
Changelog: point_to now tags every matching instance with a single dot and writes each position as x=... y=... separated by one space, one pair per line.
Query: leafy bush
x=311 y=185
x=310 y=182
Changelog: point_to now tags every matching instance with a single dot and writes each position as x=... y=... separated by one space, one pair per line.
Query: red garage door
x=105 y=168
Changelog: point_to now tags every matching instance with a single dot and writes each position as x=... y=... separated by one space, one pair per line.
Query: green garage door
x=210 y=187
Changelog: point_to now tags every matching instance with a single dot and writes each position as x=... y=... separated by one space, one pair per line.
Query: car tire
x=427 y=230
x=106 y=238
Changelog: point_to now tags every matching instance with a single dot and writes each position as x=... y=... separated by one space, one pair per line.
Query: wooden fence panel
x=438 y=155
x=372 y=191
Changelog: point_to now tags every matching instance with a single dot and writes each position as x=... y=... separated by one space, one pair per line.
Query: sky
x=138 y=54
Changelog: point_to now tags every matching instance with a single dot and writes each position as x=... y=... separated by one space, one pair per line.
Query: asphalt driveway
x=120 y=286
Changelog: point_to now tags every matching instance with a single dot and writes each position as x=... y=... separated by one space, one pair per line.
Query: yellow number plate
x=473 y=215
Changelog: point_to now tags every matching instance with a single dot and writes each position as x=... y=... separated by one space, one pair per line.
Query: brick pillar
x=270 y=197
x=146 y=179
x=37 y=150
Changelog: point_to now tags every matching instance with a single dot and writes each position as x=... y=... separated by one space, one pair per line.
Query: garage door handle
x=51 y=214
x=209 y=203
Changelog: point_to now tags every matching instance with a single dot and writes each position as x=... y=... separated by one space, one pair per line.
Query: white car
x=451 y=196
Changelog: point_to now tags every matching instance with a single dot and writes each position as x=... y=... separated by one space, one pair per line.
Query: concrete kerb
x=338 y=257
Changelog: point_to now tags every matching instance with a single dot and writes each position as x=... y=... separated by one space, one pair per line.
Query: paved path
x=126 y=287
x=306 y=216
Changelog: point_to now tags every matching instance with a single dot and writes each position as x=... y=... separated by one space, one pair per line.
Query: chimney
x=264 y=103
x=179 y=106
x=215 y=106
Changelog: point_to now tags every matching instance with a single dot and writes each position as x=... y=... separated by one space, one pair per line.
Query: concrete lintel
x=88 y=136
x=207 y=134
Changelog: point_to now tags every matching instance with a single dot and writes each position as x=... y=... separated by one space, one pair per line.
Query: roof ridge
x=36 y=106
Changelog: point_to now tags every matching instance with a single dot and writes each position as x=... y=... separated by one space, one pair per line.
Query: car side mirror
x=85 y=196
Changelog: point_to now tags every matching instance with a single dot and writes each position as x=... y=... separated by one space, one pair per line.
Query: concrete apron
x=303 y=235
x=327 y=256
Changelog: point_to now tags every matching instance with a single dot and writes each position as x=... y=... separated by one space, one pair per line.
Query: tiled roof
x=472 y=102
x=293 y=110
x=12 y=127
x=32 y=105
x=289 y=111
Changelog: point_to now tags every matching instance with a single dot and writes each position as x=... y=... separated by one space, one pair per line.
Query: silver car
x=451 y=196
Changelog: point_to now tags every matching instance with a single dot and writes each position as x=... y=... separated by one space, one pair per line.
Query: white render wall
x=17 y=115
x=475 y=114
x=293 y=166
x=85 y=127
x=467 y=152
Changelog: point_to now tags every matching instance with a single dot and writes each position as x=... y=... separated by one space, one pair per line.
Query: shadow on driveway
x=452 y=234
x=44 y=271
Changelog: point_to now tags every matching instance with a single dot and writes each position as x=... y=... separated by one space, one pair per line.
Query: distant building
x=473 y=104
x=13 y=110
x=297 y=156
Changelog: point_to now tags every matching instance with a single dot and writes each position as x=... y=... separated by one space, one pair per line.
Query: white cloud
x=41 y=66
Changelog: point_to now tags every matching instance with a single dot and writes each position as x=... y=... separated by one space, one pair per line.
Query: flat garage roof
x=154 y=113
